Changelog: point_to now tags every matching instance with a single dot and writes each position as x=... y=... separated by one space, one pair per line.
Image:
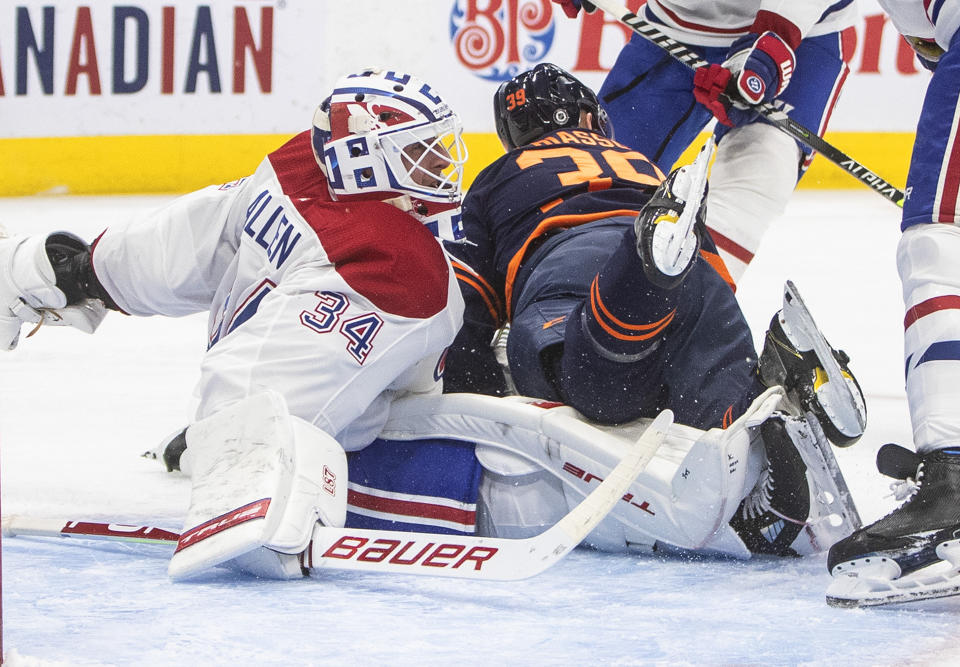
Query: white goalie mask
x=388 y=136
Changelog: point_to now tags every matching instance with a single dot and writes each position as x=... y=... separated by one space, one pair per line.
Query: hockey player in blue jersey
x=566 y=239
x=914 y=552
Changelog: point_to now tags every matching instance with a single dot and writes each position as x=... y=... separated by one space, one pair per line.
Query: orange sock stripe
x=651 y=330
x=728 y=417
x=714 y=260
x=483 y=288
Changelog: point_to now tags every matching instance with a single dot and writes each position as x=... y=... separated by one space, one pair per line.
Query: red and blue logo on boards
x=498 y=39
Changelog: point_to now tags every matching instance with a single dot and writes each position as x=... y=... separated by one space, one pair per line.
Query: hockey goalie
x=332 y=306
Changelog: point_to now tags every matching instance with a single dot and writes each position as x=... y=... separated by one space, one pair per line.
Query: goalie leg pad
x=688 y=492
x=261 y=479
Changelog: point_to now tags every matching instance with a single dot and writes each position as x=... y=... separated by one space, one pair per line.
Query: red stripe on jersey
x=410 y=508
x=383 y=253
x=845 y=36
x=699 y=27
x=924 y=308
x=947 y=209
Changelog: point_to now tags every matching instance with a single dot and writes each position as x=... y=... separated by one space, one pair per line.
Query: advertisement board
x=168 y=95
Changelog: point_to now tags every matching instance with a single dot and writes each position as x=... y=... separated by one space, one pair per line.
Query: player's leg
x=921 y=531
x=757 y=166
x=649 y=97
x=424 y=485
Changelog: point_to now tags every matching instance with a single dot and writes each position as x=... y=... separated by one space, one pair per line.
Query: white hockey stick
x=462 y=556
x=770 y=112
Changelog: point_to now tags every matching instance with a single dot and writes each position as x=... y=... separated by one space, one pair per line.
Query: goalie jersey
x=339 y=306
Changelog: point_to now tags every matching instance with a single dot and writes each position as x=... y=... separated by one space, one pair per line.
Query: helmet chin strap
x=402 y=202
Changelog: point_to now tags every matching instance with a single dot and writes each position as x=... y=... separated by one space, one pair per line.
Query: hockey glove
x=572 y=7
x=927 y=50
x=757 y=69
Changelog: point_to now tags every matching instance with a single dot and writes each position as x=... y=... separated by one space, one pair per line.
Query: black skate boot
x=670 y=226
x=772 y=516
x=815 y=376
x=908 y=536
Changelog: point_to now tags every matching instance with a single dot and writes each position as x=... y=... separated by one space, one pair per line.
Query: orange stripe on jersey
x=483 y=288
x=551 y=204
x=601 y=313
x=547 y=225
x=599 y=184
x=728 y=417
x=713 y=259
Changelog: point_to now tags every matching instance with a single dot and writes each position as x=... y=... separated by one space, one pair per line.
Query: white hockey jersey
x=721 y=22
x=338 y=306
x=936 y=19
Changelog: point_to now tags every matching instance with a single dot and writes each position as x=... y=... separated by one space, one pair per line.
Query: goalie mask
x=541 y=100
x=388 y=136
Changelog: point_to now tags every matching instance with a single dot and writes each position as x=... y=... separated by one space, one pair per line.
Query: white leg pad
x=261 y=480
x=538 y=457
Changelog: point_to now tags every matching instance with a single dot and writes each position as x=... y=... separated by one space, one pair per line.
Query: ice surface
x=76 y=411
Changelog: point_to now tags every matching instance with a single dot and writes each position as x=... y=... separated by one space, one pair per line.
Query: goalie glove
x=757 y=69
x=30 y=292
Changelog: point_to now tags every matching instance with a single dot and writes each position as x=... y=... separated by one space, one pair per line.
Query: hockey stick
x=773 y=115
x=462 y=556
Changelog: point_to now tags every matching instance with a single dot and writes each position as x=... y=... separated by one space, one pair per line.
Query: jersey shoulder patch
x=385 y=255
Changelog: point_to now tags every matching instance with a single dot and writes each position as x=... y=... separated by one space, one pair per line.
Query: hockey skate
x=670 y=225
x=801 y=504
x=913 y=553
x=815 y=376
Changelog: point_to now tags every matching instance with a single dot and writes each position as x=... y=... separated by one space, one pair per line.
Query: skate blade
x=849 y=591
x=833 y=514
x=675 y=242
x=845 y=409
x=936 y=582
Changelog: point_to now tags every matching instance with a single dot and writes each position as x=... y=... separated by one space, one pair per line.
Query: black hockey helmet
x=541 y=100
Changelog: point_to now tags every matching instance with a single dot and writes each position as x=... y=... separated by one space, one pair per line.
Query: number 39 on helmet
x=541 y=100
x=386 y=135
